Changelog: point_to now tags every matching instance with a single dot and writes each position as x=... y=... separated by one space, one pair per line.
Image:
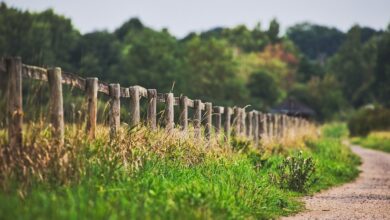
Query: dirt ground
x=368 y=197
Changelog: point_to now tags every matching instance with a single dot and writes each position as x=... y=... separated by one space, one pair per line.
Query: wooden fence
x=236 y=120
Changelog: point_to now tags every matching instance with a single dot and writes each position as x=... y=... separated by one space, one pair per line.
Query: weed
x=295 y=172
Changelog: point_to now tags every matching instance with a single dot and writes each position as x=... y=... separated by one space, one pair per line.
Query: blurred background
x=331 y=57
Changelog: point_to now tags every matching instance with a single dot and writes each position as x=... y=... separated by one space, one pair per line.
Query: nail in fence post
x=14 y=103
x=183 y=102
x=152 y=106
x=208 y=121
x=197 y=117
x=169 y=112
x=56 y=104
x=134 y=106
x=115 y=107
x=91 y=90
x=228 y=113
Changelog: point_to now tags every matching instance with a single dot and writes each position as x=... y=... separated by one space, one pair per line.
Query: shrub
x=369 y=119
x=295 y=172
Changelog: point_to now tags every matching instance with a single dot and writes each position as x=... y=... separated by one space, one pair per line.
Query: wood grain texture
x=14 y=104
x=255 y=127
x=249 y=123
x=135 y=114
x=236 y=121
x=183 y=119
x=218 y=111
x=227 y=126
x=91 y=91
x=208 y=119
x=56 y=104
x=197 y=117
x=152 y=109
x=115 y=108
x=169 y=112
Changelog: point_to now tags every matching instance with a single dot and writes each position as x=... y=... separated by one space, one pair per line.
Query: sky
x=184 y=16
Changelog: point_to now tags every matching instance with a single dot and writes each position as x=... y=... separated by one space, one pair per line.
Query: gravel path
x=366 y=198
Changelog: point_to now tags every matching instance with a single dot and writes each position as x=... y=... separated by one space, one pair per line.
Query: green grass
x=375 y=140
x=233 y=186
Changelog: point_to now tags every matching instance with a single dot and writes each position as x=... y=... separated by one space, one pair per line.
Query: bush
x=369 y=119
x=295 y=172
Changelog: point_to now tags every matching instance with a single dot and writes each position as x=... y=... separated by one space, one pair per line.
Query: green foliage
x=375 y=140
x=295 y=172
x=353 y=66
x=369 y=119
x=316 y=41
x=335 y=130
x=382 y=70
x=149 y=176
x=227 y=66
x=273 y=31
x=264 y=87
x=323 y=94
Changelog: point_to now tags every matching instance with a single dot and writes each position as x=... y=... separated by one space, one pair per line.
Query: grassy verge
x=375 y=140
x=154 y=176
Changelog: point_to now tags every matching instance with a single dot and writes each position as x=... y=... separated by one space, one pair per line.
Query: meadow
x=156 y=175
x=377 y=140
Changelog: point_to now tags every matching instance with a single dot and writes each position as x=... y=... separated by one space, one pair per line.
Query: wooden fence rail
x=253 y=124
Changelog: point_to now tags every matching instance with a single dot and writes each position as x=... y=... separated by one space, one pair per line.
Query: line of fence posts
x=254 y=125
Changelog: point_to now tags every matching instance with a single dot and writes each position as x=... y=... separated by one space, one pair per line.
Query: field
x=379 y=140
x=151 y=175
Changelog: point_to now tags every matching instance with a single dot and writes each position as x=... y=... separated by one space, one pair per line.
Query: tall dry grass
x=41 y=159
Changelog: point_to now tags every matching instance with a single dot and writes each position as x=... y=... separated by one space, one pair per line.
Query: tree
x=323 y=95
x=316 y=41
x=264 y=89
x=381 y=84
x=98 y=53
x=42 y=38
x=149 y=58
x=273 y=31
x=209 y=72
x=353 y=66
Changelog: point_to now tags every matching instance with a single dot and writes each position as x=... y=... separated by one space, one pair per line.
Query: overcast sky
x=184 y=16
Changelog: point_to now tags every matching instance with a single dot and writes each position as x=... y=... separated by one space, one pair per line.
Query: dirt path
x=366 y=198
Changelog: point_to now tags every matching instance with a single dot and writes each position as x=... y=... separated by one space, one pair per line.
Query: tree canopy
x=325 y=68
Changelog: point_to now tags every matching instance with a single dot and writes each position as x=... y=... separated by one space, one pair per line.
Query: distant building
x=293 y=107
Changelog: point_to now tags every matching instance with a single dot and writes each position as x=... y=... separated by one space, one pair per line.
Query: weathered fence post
x=197 y=117
x=255 y=127
x=242 y=122
x=169 y=112
x=91 y=90
x=228 y=113
x=208 y=121
x=276 y=125
x=56 y=104
x=237 y=121
x=134 y=106
x=115 y=108
x=249 y=125
x=218 y=119
x=260 y=122
x=152 y=109
x=14 y=103
x=183 y=102
x=270 y=125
